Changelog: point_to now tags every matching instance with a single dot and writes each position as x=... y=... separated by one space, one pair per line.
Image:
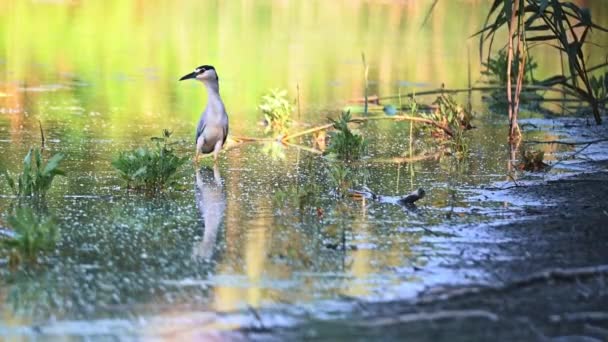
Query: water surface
x=265 y=230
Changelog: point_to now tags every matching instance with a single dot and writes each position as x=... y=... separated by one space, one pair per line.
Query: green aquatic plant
x=599 y=86
x=149 y=169
x=452 y=114
x=37 y=176
x=562 y=25
x=277 y=111
x=341 y=178
x=458 y=145
x=344 y=143
x=34 y=235
x=496 y=68
x=496 y=73
x=448 y=114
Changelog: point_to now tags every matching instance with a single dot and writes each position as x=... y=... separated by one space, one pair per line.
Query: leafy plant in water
x=562 y=25
x=599 y=86
x=343 y=143
x=459 y=144
x=37 y=176
x=496 y=68
x=277 y=111
x=150 y=169
x=496 y=73
x=449 y=114
x=341 y=178
x=275 y=150
x=454 y=116
x=34 y=235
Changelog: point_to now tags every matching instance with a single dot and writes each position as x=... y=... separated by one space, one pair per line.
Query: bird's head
x=204 y=73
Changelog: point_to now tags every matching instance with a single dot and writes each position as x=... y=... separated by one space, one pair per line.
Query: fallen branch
x=564 y=274
x=566 y=142
x=446 y=129
x=486 y=88
x=308 y=131
x=585 y=316
x=569 y=157
x=241 y=139
x=430 y=316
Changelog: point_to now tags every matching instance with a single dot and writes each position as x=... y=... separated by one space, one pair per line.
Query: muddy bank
x=547 y=283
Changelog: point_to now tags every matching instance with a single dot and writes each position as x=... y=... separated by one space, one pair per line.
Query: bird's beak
x=189 y=76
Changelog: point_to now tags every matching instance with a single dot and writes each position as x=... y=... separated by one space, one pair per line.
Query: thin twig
x=43 y=140
x=365 y=75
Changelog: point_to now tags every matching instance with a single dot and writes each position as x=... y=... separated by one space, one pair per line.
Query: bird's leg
x=216 y=151
x=200 y=141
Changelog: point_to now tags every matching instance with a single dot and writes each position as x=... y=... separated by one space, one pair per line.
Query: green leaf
x=53 y=163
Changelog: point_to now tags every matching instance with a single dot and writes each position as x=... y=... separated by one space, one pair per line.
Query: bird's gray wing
x=201 y=126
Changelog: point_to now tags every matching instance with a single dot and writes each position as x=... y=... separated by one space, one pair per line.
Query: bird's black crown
x=201 y=69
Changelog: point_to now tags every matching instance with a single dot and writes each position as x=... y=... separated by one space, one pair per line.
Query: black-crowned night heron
x=212 y=128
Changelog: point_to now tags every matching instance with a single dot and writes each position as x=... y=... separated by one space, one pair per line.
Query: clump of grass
x=343 y=143
x=532 y=160
x=456 y=118
x=341 y=179
x=149 y=169
x=458 y=145
x=34 y=235
x=37 y=176
x=451 y=114
x=277 y=111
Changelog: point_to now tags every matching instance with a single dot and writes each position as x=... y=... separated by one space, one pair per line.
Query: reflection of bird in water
x=211 y=201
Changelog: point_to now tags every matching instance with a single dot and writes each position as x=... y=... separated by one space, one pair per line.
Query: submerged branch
x=429 y=316
x=412 y=159
x=446 y=129
x=465 y=90
x=564 y=274
x=566 y=142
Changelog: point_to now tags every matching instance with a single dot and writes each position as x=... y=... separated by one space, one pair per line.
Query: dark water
x=264 y=230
